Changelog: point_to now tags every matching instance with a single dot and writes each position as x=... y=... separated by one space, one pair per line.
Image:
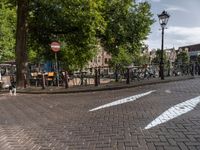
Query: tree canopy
x=156 y=60
x=73 y=23
x=183 y=58
x=78 y=25
x=7 y=31
x=120 y=26
x=128 y=25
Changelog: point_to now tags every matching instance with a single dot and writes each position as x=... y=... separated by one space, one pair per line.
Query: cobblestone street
x=64 y=121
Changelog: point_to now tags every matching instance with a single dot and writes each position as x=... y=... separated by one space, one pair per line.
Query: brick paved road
x=62 y=122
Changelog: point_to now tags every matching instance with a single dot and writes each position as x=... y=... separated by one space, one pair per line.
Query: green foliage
x=122 y=58
x=182 y=58
x=7 y=31
x=156 y=60
x=79 y=26
x=141 y=59
x=73 y=23
x=128 y=24
x=198 y=58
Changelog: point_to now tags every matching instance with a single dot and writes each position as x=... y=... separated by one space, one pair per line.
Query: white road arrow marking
x=122 y=101
x=174 y=112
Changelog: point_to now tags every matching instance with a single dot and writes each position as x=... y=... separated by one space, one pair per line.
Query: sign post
x=55 y=46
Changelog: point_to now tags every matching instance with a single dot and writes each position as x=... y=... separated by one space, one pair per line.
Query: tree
x=7 y=31
x=21 y=49
x=141 y=59
x=156 y=60
x=128 y=24
x=122 y=59
x=73 y=23
x=182 y=58
x=80 y=26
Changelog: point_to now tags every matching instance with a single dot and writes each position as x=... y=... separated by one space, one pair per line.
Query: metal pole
x=161 y=57
x=116 y=73
x=57 y=71
x=66 y=80
x=24 y=80
x=81 y=77
x=43 y=81
x=128 y=76
x=99 y=76
x=96 y=77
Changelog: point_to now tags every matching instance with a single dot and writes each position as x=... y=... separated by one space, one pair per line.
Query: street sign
x=55 y=46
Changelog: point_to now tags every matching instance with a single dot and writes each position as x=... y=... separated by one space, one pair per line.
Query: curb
x=118 y=87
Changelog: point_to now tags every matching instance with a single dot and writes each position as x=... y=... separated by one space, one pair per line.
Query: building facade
x=171 y=55
x=101 y=60
x=193 y=51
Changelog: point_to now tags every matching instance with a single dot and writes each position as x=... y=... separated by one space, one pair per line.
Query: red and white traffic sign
x=55 y=46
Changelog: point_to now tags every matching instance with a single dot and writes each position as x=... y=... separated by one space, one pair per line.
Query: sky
x=183 y=27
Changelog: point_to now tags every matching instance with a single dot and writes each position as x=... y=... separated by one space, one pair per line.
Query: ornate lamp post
x=163 y=19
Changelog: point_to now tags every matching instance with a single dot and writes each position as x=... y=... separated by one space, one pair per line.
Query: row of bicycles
x=141 y=73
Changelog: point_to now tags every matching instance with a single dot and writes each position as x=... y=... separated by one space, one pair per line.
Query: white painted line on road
x=122 y=101
x=168 y=91
x=174 y=112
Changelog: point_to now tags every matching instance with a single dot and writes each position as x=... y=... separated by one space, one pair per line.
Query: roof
x=195 y=47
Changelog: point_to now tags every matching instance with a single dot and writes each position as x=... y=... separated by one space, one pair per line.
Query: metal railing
x=104 y=75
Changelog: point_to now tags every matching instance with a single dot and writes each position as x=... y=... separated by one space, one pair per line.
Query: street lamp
x=163 y=19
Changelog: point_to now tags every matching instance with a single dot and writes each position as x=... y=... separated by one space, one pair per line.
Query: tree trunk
x=21 y=51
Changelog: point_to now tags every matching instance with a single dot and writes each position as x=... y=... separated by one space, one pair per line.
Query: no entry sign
x=55 y=46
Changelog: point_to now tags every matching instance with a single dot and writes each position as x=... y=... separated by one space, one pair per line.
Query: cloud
x=175 y=36
x=139 y=1
x=176 y=8
x=155 y=0
x=180 y=36
x=184 y=31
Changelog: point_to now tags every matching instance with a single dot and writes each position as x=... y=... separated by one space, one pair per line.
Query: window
x=99 y=59
x=106 y=61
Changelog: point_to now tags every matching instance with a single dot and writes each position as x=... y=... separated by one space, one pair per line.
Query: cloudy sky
x=183 y=27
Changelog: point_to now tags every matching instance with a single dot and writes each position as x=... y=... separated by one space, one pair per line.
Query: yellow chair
x=50 y=77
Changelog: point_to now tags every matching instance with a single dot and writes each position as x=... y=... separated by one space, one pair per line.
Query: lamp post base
x=162 y=71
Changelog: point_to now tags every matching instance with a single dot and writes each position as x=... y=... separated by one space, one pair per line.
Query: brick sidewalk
x=102 y=87
x=64 y=122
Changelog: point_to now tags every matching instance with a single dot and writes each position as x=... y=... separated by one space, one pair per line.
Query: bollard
x=43 y=81
x=99 y=75
x=96 y=77
x=193 y=69
x=198 y=69
x=81 y=78
x=25 y=82
x=66 y=80
x=128 y=76
x=116 y=73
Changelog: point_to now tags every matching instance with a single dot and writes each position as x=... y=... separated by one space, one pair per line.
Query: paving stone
x=171 y=148
x=182 y=146
x=151 y=146
x=64 y=122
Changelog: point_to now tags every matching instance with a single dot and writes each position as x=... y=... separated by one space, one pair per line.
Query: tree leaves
x=7 y=32
x=128 y=24
x=74 y=23
x=120 y=26
x=182 y=58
